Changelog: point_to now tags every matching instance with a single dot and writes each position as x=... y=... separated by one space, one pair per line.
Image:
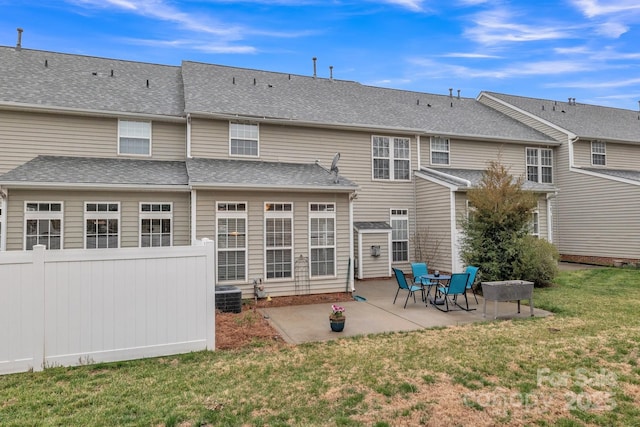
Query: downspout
x=3 y=219
x=550 y=196
x=189 y=136
x=418 y=152
x=454 y=232
x=194 y=200
x=352 y=260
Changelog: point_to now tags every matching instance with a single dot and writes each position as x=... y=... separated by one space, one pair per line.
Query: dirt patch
x=249 y=328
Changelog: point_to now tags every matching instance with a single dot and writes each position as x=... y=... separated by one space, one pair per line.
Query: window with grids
x=391 y=158
x=243 y=139
x=322 y=236
x=278 y=236
x=439 y=150
x=534 y=225
x=540 y=165
x=134 y=137
x=43 y=224
x=232 y=241
x=400 y=234
x=102 y=225
x=598 y=153
x=155 y=224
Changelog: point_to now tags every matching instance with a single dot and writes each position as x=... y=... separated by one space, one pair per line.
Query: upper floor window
x=134 y=137
x=43 y=224
x=540 y=165
x=155 y=224
x=102 y=220
x=439 y=150
x=391 y=158
x=598 y=153
x=243 y=139
x=400 y=234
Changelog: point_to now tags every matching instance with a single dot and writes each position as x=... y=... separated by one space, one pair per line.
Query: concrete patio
x=378 y=314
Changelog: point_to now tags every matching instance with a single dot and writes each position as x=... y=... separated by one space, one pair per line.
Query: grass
x=577 y=368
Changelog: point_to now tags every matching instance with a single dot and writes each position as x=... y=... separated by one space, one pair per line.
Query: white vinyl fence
x=72 y=307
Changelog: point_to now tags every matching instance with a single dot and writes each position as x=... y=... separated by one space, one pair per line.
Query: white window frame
x=157 y=212
x=48 y=215
x=393 y=155
x=99 y=215
x=239 y=131
x=534 y=225
x=538 y=164
x=278 y=211
x=232 y=214
x=403 y=216
x=598 y=150
x=322 y=211
x=134 y=129
x=434 y=141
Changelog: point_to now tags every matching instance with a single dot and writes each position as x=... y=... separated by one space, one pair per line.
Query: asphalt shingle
x=474 y=177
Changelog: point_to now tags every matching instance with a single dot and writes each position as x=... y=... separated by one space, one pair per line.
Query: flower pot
x=337 y=323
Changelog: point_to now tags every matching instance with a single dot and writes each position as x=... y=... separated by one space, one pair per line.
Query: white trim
x=540 y=167
x=328 y=215
x=194 y=215
x=462 y=181
x=3 y=222
x=97 y=215
x=431 y=150
x=120 y=153
x=549 y=198
x=603 y=176
x=455 y=253
x=391 y=158
x=450 y=186
x=400 y=217
x=151 y=215
x=238 y=215
x=603 y=154
x=241 y=123
x=275 y=215
x=188 y=137
x=48 y=215
x=352 y=263
x=92 y=186
x=419 y=151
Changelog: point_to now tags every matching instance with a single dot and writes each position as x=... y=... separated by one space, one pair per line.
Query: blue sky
x=583 y=49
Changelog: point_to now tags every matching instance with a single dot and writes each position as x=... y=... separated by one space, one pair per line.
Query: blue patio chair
x=402 y=284
x=473 y=272
x=418 y=270
x=457 y=286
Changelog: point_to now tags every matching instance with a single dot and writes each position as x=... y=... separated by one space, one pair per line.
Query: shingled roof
x=64 y=171
x=583 y=120
x=470 y=178
x=57 y=80
x=222 y=173
x=229 y=91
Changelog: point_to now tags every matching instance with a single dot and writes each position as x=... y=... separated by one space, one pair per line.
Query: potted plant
x=337 y=318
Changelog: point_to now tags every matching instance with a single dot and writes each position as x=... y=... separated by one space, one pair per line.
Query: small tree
x=495 y=228
x=426 y=245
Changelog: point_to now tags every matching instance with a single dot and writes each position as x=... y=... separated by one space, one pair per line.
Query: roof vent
x=147 y=83
x=458 y=93
x=450 y=92
x=330 y=72
x=19 y=42
x=46 y=63
x=314 y=66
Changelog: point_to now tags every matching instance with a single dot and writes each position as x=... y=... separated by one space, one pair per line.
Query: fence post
x=38 y=308
x=211 y=294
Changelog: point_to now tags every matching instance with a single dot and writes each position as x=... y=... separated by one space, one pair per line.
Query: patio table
x=433 y=278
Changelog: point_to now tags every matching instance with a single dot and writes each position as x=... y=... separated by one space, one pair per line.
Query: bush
x=537 y=261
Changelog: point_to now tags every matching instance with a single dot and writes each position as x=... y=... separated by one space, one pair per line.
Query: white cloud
x=415 y=5
x=469 y=55
x=594 y=8
x=608 y=84
x=612 y=29
x=194 y=45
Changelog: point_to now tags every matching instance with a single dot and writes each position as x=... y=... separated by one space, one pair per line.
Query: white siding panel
x=433 y=203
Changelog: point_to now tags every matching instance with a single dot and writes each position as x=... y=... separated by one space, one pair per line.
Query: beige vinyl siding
x=433 y=203
x=27 y=135
x=618 y=156
x=598 y=217
x=206 y=223
x=525 y=118
x=73 y=204
x=295 y=144
x=374 y=267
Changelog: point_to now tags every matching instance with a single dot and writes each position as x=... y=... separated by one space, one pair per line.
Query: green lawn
x=579 y=367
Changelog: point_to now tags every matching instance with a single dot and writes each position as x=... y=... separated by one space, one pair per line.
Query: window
x=391 y=158
x=155 y=224
x=43 y=224
x=322 y=232
x=534 y=226
x=232 y=241
x=598 y=153
x=278 y=237
x=400 y=234
x=102 y=225
x=439 y=150
x=540 y=165
x=243 y=139
x=134 y=138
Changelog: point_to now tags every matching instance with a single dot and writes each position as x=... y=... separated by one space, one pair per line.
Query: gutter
x=300 y=188
x=95 y=186
x=462 y=181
